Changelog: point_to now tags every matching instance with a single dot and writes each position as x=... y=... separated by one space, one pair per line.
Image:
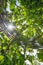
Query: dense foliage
x=22 y=44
